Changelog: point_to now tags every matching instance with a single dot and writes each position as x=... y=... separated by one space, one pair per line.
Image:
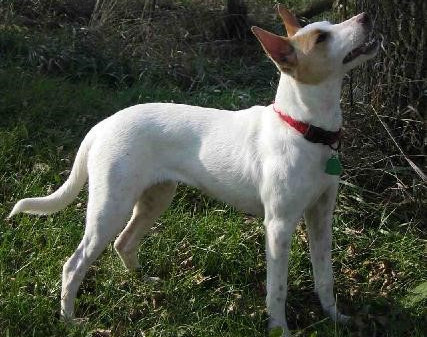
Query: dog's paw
x=336 y=316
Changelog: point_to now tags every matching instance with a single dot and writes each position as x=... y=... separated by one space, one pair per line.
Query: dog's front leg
x=318 y=220
x=279 y=232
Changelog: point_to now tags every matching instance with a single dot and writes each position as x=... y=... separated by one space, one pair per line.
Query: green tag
x=333 y=166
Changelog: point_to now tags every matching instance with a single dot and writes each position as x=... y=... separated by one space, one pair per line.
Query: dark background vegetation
x=66 y=64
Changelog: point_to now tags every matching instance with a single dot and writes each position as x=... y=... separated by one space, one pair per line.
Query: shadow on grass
x=378 y=317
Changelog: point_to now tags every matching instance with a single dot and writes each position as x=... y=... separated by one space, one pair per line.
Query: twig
x=410 y=162
x=311 y=326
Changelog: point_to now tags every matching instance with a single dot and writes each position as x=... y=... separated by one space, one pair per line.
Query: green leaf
x=276 y=332
x=418 y=294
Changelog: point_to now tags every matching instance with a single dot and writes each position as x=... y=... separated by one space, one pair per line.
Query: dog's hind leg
x=152 y=203
x=105 y=218
x=318 y=220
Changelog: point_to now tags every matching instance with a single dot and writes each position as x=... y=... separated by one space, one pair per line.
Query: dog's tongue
x=365 y=48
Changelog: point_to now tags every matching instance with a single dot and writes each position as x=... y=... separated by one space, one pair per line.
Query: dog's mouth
x=368 y=47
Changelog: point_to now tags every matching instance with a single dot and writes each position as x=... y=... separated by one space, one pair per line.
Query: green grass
x=210 y=257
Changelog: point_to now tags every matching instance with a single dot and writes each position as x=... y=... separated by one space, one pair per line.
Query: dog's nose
x=364 y=19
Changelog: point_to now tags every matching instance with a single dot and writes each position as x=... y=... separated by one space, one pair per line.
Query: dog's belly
x=243 y=197
x=223 y=175
x=221 y=183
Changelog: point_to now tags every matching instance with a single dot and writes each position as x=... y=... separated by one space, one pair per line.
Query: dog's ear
x=290 y=21
x=278 y=48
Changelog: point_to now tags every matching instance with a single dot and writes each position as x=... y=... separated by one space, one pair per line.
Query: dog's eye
x=322 y=37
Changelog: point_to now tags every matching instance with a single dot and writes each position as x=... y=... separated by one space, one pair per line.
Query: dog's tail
x=66 y=193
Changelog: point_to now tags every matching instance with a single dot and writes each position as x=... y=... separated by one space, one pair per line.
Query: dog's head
x=319 y=50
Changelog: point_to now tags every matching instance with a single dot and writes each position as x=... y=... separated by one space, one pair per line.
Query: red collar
x=310 y=132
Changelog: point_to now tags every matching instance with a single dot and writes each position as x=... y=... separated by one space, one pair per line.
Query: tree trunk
x=399 y=85
x=316 y=8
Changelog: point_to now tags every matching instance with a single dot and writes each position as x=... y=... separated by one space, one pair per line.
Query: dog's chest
x=296 y=177
x=295 y=172
x=295 y=185
x=307 y=177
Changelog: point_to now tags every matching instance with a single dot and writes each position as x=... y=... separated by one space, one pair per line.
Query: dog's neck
x=317 y=104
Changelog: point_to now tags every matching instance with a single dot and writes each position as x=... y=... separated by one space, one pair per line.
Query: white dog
x=275 y=161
